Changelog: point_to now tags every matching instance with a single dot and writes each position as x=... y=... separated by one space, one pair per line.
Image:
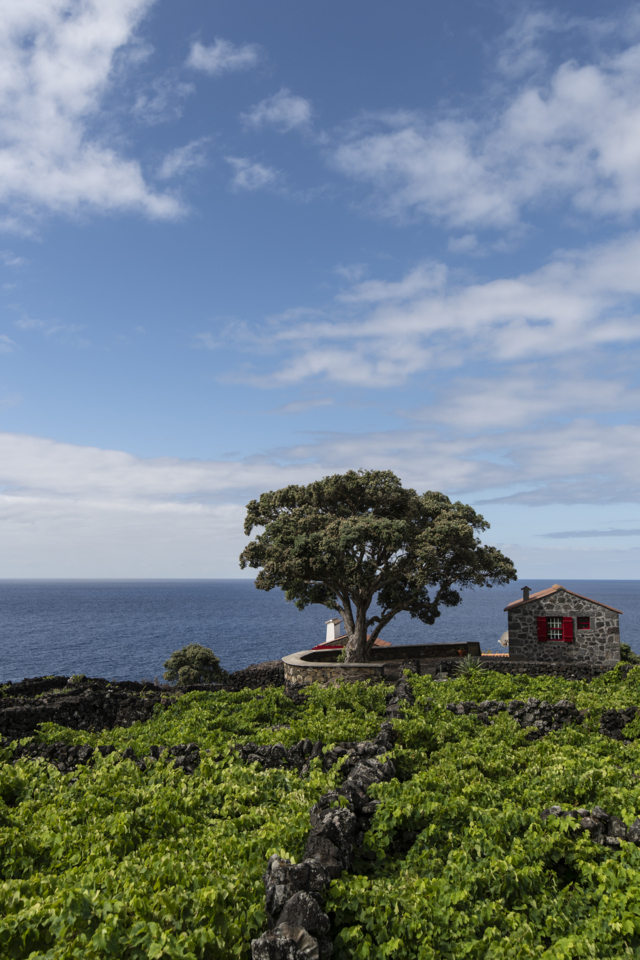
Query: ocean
x=126 y=629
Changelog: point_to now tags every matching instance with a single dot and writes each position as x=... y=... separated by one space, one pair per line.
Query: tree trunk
x=356 y=649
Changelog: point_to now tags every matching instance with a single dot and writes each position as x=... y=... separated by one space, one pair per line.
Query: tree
x=351 y=538
x=194 y=664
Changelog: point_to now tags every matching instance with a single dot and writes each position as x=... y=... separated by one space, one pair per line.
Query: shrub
x=470 y=666
x=627 y=654
x=194 y=664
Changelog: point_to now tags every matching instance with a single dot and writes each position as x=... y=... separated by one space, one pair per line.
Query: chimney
x=525 y=593
x=333 y=629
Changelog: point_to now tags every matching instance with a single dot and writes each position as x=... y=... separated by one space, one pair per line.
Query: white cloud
x=426 y=277
x=47 y=468
x=251 y=175
x=206 y=341
x=53 y=328
x=466 y=244
x=9 y=259
x=580 y=301
x=579 y=462
x=179 y=161
x=160 y=517
x=223 y=56
x=29 y=323
x=546 y=392
x=351 y=271
x=163 y=101
x=55 y=64
x=520 y=51
x=6 y=344
x=71 y=511
x=576 y=136
x=283 y=110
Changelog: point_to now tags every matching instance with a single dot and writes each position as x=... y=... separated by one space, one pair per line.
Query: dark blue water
x=126 y=629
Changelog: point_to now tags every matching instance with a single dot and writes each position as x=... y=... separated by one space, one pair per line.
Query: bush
x=194 y=664
x=627 y=655
x=470 y=666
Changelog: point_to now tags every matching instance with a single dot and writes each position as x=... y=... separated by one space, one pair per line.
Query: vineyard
x=130 y=855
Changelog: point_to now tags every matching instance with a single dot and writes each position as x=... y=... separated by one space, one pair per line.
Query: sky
x=244 y=245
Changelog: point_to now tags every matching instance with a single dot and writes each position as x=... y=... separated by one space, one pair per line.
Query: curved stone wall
x=300 y=672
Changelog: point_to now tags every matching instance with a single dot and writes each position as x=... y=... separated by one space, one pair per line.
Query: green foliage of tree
x=353 y=538
x=194 y=664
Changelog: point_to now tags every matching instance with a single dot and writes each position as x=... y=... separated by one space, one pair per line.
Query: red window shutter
x=567 y=629
x=542 y=628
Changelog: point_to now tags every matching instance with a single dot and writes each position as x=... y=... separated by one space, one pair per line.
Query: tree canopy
x=356 y=537
x=194 y=664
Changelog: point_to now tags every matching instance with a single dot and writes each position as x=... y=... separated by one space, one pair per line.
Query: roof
x=554 y=589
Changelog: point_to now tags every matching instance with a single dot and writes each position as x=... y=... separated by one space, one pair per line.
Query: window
x=555 y=628
x=584 y=623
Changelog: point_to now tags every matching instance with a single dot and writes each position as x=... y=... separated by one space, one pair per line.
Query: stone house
x=558 y=624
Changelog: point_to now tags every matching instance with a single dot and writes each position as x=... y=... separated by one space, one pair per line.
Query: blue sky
x=245 y=245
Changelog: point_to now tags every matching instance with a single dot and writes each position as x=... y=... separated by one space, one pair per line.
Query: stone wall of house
x=598 y=645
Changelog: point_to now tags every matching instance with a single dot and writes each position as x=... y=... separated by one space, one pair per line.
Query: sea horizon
x=125 y=628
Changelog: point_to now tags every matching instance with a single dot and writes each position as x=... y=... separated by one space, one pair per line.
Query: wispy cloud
x=223 y=56
x=302 y=406
x=382 y=332
x=163 y=100
x=205 y=341
x=251 y=174
x=353 y=272
x=54 y=329
x=9 y=259
x=57 y=61
x=520 y=51
x=179 y=161
x=465 y=244
x=533 y=394
x=6 y=344
x=424 y=278
x=283 y=110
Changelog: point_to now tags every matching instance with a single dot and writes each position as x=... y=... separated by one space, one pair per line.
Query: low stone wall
x=536 y=668
x=317 y=666
x=299 y=672
x=34 y=686
x=267 y=674
x=82 y=708
x=97 y=704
